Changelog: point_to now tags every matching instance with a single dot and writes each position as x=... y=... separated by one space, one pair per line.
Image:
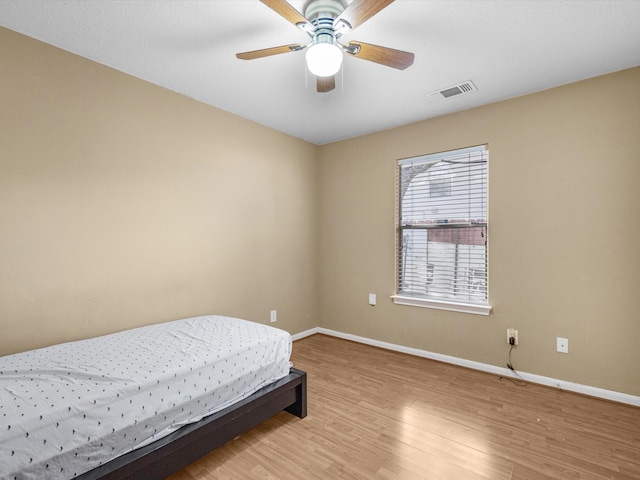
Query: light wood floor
x=376 y=414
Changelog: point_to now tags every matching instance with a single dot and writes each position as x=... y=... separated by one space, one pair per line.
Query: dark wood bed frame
x=170 y=454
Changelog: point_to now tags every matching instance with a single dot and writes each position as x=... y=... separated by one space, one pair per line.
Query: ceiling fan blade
x=266 y=52
x=288 y=12
x=359 y=11
x=383 y=55
x=326 y=84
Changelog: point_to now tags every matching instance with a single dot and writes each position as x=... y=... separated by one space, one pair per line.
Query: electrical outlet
x=274 y=316
x=512 y=333
x=372 y=299
x=562 y=345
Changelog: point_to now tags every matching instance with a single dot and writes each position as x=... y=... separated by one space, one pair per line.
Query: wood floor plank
x=376 y=414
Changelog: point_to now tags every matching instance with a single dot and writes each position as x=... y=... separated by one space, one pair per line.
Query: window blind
x=442 y=226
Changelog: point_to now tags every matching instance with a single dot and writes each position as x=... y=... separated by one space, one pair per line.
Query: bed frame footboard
x=170 y=454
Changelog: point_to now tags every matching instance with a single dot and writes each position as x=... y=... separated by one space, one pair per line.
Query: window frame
x=444 y=303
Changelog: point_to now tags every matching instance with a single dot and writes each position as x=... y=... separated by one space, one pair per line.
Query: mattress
x=69 y=408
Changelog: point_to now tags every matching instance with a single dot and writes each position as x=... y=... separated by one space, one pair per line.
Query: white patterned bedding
x=68 y=408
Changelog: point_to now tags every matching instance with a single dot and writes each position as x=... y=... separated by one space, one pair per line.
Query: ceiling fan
x=325 y=21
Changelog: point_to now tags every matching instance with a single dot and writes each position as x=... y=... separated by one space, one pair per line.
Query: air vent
x=454 y=91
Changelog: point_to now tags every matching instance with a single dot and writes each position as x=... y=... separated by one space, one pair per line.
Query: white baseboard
x=306 y=333
x=529 y=377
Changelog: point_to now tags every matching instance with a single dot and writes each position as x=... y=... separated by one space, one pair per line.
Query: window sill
x=442 y=305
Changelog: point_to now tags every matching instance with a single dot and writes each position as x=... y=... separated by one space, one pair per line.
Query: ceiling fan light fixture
x=324 y=59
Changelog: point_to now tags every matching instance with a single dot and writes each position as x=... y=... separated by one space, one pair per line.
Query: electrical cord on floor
x=520 y=382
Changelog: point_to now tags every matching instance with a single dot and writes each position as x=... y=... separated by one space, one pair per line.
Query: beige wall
x=124 y=204
x=121 y=204
x=564 y=213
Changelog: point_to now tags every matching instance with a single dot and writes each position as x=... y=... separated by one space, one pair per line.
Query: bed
x=143 y=403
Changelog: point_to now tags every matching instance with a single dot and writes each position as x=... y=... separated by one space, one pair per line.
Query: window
x=442 y=231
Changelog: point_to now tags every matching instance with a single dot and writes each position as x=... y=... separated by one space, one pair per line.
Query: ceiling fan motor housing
x=323 y=31
x=323 y=8
x=321 y=14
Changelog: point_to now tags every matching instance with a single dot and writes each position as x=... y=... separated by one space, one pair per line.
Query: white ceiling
x=506 y=48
